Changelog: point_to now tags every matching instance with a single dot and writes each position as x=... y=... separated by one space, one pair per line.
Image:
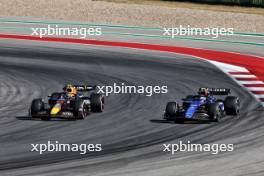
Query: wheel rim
x=85 y=112
x=102 y=104
x=237 y=107
x=217 y=115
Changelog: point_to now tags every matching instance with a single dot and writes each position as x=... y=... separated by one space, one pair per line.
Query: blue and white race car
x=203 y=106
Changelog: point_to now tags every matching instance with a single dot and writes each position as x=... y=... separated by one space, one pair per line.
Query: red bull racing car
x=73 y=102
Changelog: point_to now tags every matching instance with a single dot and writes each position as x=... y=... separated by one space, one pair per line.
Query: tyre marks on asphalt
x=254 y=64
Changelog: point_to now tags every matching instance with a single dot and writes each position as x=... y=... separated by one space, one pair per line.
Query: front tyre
x=214 y=112
x=171 y=109
x=37 y=105
x=97 y=102
x=81 y=109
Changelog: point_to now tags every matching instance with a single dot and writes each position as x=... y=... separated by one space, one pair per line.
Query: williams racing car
x=203 y=106
x=73 y=102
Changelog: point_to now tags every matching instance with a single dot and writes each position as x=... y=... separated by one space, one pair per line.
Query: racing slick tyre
x=97 y=102
x=171 y=110
x=37 y=105
x=214 y=112
x=81 y=109
x=232 y=105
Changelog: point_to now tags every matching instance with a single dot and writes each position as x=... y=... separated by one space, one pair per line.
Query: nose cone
x=55 y=110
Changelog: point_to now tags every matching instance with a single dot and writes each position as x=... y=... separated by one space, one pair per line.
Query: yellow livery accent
x=55 y=110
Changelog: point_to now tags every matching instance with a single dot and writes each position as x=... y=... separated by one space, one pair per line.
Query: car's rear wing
x=84 y=88
x=219 y=91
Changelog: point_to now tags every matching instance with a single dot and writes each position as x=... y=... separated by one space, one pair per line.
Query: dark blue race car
x=203 y=106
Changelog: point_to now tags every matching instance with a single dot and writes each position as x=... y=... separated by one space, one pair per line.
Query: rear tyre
x=232 y=105
x=97 y=102
x=214 y=112
x=171 y=109
x=37 y=105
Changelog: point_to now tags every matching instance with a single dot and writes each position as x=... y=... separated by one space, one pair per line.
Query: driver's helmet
x=203 y=92
x=70 y=90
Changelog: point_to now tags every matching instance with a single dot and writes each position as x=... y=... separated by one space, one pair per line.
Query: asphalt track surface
x=130 y=129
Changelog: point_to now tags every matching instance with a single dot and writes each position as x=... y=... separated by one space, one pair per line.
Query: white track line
x=256 y=88
x=240 y=75
x=229 y=67
x=251 y=82
x=244 y=76
x=259 y=96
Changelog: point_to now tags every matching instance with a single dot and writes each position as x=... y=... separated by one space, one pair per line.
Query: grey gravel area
x=132 y=14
